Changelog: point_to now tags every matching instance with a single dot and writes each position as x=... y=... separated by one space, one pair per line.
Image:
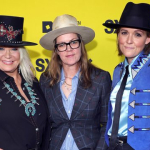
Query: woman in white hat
x=128 y=125
x=23 y=115
x=77 y=93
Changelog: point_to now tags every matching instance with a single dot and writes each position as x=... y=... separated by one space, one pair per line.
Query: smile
x=127 y=47
x=7 y=62
x=70 y=55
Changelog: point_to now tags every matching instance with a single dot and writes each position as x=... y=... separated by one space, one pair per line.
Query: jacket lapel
x=117 y=74
x=57 y=101
x=84 y=96
x=139 y=63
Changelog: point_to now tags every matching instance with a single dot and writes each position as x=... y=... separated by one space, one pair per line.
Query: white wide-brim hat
x=66 y=24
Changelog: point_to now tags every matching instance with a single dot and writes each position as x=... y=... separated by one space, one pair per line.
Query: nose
x=7 y=53
x=130 y=39
x=69 y=47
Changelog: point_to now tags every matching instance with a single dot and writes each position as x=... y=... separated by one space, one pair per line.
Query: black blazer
x=89 y=111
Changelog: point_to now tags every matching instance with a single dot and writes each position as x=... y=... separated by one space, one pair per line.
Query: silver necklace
x=65 y=85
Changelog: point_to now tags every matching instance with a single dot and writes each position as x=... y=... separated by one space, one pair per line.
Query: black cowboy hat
x=11 y=30
x=134 y=16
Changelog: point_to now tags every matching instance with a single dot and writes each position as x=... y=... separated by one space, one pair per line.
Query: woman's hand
x=1 y=149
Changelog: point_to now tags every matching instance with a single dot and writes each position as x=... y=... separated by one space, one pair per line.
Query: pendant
x=30 y=109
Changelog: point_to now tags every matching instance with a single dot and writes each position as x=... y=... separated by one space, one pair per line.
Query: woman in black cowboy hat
x=128 y=124
x=76 y=92
x=23 y=115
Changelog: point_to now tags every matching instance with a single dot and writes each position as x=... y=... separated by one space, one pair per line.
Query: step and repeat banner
x=38 y=19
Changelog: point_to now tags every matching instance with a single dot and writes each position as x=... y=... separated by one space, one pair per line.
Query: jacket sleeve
x=47 y=131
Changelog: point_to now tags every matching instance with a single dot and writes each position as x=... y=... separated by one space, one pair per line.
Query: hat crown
x=64 y=21
x=11 y=30
x=65 y=24
x=134 y=16
x=141 y=9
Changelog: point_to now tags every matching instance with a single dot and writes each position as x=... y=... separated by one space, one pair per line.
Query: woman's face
x=71 y=56
x=9 y=59
x=131 y=42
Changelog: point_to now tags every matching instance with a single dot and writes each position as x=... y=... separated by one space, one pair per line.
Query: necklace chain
x=65 y=85
x=29 y=106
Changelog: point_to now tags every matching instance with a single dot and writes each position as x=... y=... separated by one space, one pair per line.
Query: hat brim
x=86 y=33
x=115 y=26
x=22 y=43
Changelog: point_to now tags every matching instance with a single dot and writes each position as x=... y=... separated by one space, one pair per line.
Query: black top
x=17 y=130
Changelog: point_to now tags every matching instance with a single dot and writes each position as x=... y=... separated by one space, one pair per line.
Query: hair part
x=26 y=67
x=54 y=68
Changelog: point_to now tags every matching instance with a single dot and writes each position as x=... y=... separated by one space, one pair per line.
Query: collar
x=4 y=76
x=63 y=75
x=123 y=64
x=126 y=62
x=137 y=63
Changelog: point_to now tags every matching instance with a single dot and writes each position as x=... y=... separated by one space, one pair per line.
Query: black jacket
x=17 y=130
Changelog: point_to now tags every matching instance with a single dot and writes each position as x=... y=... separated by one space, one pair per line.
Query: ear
x=57 y=53
x=147 y=40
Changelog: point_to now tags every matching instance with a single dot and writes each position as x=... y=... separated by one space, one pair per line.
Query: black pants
x=125 y=146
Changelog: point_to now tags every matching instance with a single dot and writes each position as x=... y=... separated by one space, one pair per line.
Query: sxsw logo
x=42 y=63
x=47 y=26
x=110 y=30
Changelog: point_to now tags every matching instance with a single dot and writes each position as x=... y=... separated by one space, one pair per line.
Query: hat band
x=11 y=42
x=134 y=21
x=9 y=34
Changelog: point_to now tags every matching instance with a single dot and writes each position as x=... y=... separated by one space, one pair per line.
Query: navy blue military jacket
x=138 y=104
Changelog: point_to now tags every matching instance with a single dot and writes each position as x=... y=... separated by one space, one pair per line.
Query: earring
x=19 y=70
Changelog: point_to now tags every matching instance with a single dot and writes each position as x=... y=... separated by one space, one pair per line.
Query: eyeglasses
x=63 y=46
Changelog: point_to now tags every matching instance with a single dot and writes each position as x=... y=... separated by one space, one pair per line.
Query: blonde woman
x=23 y=115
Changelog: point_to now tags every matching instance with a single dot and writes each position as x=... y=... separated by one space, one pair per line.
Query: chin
x=10 y=71
x=128 y=55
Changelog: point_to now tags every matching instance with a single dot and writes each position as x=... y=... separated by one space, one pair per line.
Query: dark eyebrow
x=69 y=41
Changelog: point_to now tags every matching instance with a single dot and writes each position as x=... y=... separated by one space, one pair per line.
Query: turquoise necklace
x=29 y=106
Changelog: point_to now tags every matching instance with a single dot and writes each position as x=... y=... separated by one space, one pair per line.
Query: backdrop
x=39 y=15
